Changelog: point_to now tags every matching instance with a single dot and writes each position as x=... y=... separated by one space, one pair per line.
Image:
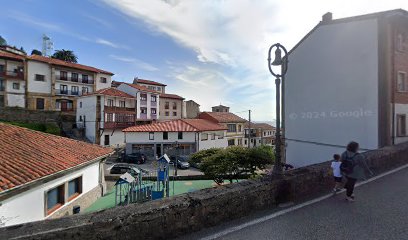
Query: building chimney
x=327 y=17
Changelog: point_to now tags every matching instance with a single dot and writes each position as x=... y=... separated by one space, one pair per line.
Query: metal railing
x=68 y=92
x=71 y=79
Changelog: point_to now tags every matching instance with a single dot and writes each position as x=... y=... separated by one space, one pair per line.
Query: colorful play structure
x=134 y=188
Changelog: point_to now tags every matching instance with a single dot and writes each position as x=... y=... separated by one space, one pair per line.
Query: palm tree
x=65 y=55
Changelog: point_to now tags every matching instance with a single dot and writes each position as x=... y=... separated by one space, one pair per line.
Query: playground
x=108 y=201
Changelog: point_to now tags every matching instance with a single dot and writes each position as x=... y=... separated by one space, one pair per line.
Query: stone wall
x=175 y=216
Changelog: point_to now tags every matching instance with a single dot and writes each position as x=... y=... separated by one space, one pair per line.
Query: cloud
x=136 y=62
x=109 y=43
x=99 y=21
x=29 y=20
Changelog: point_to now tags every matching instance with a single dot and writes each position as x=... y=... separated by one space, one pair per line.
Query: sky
x=213 y=51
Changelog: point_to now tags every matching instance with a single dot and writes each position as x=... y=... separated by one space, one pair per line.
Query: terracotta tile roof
x=150 y=82
x=179 y=125
x=221 y=117
x=27 y=155
x=141 y=88
x=111 y=92
x=263 y=126
x=172 y=96
x=4 y=54
x=58 y=62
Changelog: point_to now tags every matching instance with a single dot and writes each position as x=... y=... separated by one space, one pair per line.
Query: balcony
x=153 y=116
x=143 y=102
x=67 y=92
x=153 y=104
x=143 y=116
x=111 y=125
x=118 y=109
x=12 y=74
x=252 y=135
x=71 y=79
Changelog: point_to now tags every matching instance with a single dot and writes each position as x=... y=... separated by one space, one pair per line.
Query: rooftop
x=27 y=155
x=9 y=55
x=173 y=96
x=150 y=82
x=221 y=117
x=111 y=92
x=263 y=126
x=58 y=62
x=141 y=88
x=179 y=125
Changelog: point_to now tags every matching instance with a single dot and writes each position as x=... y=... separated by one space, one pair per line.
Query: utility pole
x=249 y=130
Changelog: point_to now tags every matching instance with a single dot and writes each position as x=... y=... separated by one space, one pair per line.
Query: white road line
x=291 y=209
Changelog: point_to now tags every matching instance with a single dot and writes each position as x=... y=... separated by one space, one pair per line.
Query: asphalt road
x=379 y=212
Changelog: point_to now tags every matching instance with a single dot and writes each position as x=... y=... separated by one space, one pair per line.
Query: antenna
x=47 y=45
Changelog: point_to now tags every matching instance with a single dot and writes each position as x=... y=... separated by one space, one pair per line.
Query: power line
x=323 y=144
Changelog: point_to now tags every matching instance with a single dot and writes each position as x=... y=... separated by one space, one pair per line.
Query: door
x=158 y=150
x=106 y=142
x=64 y=106
x=40 y=103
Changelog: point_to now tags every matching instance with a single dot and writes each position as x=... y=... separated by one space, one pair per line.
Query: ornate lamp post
x=283 y=63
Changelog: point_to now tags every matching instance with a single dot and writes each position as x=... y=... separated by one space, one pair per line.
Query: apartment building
x=12 y=78
x=151 y=85
x=45 y=176
x=258 y=134
x=54 y=84
x=191 y=109
x=103 y=114
x=233 y=123
x=182 y=136
x=220 y=108
x=347 y=80
x=171 y=106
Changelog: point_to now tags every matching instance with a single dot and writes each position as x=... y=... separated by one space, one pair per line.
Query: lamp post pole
x=282 y=62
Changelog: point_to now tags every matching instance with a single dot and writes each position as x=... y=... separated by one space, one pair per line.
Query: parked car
x=122 y=168
x=182 y=162
x=137 y=158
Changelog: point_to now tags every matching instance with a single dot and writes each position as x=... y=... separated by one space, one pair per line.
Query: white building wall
x=332 y=91
x=143 y=137
x=99 y=85
x=116 y=138
x=29 y=206
x=33 y=68
x=88 y=110
x=220 y=140
x=403 y=110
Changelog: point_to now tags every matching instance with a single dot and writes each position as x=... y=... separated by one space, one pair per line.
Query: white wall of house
x=33 y=68
x=217 y=141
x=403 y=110
x=15 y=97
x=87 y=110
x=332 y=91
x=30 y=205
x=116 y=137
x=100 y=85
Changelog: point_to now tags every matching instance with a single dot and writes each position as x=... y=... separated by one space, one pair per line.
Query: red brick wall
x=400 y=62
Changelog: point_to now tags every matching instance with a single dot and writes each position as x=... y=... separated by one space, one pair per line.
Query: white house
x=12 y=84
x=347 y=81
x=103 y=114
x=190 y=135
x=260 y=134
x=45 y=176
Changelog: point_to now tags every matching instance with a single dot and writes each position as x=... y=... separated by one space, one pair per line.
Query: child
x=335 y=165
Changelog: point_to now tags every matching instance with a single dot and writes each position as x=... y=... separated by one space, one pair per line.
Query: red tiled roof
x=111 y=92
x=221 y=117
x=141 y=88
x=4 y=54
x=27 y=155
x=172 y=96
x=263 y=126
x=66 y=64
x=179 y=125
x=150 y=82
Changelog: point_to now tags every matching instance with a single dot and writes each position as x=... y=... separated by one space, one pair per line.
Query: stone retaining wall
x=175 y=216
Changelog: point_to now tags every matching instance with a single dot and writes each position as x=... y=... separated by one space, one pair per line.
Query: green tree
x=65 y=55
x=2 y=41
x=36 y=52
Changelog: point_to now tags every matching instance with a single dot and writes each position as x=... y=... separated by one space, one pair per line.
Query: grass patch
x=42 y=127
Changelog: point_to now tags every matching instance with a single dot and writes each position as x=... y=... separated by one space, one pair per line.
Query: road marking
x=291 y=209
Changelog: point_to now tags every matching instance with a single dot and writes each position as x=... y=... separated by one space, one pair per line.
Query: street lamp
x=283 y=63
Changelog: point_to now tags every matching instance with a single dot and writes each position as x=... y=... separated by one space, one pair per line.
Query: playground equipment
x=132 y=188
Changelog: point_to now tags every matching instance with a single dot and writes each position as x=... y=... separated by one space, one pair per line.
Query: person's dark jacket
x=360 y=169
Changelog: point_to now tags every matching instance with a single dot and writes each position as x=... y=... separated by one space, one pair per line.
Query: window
x=143 y=97
x=153 y=110
x=110 y=102
x=259 y=141
x=63 y=89
x=80 y=104
x=180 y=135
x=143 y=110
x=16 y=86
x=239 y=128
x=232 y=127
x=213 y=136
x=239 y=141
x=80 y=118
x=246 y=142
x=400 y=42
x=231 y=142
x=401 y=82
x=40 y=103
x=84 y=78
x=401 y=125
x=166 y=105
x=85 y=90
x=103 y=80
x=204 y=136
x=55 y=199
x=165 y=135
x=221 y=135
x=174 y=114
x=39 y=77
x=264 y=134
x=174 y=106
x=74 y=188
x=63 y=75
x=167 y=113
x=74 y=90
x=151 y=135
x=153 y=98
x=159 y=89
x=74 y=77
x=109 y=117
x=106 y=140
x=122 y=104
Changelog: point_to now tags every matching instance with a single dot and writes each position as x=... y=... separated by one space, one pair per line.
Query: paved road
x=380 y=212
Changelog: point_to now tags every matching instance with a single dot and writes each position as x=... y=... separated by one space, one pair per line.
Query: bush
x=47 y=128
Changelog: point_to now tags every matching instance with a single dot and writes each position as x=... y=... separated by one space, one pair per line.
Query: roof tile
x=179 y=125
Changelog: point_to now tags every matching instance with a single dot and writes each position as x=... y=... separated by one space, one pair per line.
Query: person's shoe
x=350 y=199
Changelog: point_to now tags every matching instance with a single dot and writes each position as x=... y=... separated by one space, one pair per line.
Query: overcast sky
x=210 y=51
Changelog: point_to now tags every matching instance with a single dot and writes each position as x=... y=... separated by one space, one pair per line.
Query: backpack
x=347 y=165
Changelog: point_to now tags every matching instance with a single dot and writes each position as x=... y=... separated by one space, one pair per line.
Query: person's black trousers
x=349 y=186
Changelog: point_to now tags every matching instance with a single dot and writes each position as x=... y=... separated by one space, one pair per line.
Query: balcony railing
x=118 y=109
x=143 y=116
x=71 y=79
x=153 y=104
x=143 y=102
x=67 y=92
x=252 y=135
x=110 y=125
x=153 y=116
x=12 y=74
